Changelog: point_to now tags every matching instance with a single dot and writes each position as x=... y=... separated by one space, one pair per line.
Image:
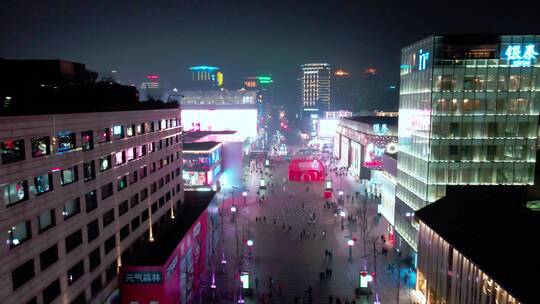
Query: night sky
x=244 y=38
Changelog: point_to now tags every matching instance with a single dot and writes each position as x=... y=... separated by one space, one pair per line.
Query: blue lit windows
x=43 y=184
x=118 y=132
x=66 y=141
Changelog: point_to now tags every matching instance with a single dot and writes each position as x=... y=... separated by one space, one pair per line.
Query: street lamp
x=350 y=243
x=244 y=194
x=250 y=244
x=233 y=210
x=342 y=214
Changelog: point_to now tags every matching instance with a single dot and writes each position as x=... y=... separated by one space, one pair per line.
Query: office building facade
x=468 y=115
x=76 y=191
x=315 y=85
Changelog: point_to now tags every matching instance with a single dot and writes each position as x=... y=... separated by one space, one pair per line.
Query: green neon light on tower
x=265 y=79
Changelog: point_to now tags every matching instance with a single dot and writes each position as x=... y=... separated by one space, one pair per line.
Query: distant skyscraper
x=263 y=85
x=315 y=85
x=206 y=77
x=150 y=88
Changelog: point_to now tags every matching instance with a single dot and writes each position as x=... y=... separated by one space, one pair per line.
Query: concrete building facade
x=76 y=190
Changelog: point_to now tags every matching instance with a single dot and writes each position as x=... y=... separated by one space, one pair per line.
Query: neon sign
x=380 y=129
x=519 y=57
x=422 y=60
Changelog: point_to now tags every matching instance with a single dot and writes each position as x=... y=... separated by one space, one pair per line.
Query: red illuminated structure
x=168 y=269
x=306 y=170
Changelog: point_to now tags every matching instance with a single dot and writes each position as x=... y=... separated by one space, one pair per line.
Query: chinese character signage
x=142 y=277
x=520 y=55
x=380 y=129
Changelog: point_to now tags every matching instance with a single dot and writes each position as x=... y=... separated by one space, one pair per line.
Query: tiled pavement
x=294 y=264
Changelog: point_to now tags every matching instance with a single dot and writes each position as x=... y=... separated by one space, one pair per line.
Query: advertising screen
x=327 y=127
x=242 y=120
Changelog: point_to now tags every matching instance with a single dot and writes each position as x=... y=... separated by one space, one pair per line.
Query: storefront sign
x=373 y=164
x=380 y=129
x=422 y=60
x=142 y=277
x=521 y=57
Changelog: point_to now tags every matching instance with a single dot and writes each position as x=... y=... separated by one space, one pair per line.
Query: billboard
x=328 y=127
x=242 y=120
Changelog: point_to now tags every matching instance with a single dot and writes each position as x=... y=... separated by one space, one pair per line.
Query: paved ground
x=294 y=263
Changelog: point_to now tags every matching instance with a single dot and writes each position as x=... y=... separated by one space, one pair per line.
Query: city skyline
x=165 y=39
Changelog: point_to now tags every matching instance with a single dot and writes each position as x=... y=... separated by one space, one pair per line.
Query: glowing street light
x=244 y=194
x=342 y=214
x=233 y=210
x=350 y=242
x=250 y=244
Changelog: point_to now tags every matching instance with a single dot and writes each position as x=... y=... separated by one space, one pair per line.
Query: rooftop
x=40 y=87
x=492 y=228
x=170 y=235
x=200 y=146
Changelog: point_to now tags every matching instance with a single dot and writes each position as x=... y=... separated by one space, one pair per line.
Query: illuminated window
x=118 y=132
x=122 y=183
x=69 y=175
x=43 y=184
x=12 y=150
x=87 y=140
x=130 y=130
x=41 y=146
x=89 y=171
x=46 y=220
x=131 y=153
x=75 y=272
x=104 y=163
x=104 y=135
x=20 y=233
x=120 y=158
x=15 y=193
x=66 y=141
x=71 y=208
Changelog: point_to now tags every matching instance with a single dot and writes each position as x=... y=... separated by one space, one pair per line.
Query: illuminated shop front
x=169 y=269
x=362 y=142
x=461 y=258
x=202 y=164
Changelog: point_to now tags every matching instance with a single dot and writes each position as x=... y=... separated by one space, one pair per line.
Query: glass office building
x=468 y=115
